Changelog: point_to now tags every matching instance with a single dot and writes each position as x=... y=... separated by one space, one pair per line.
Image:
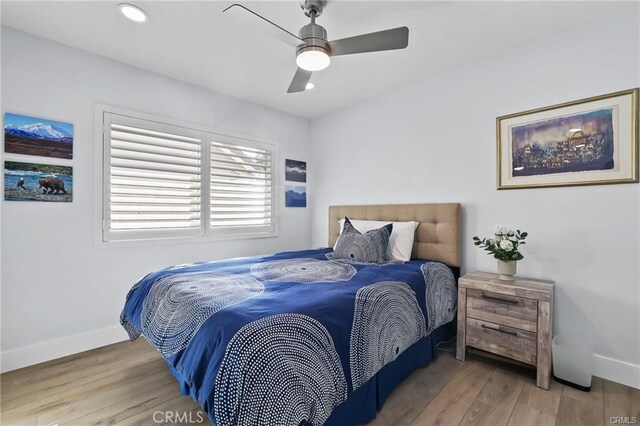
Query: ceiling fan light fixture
x=133 y=13
x=314 y=50
x=313 y=58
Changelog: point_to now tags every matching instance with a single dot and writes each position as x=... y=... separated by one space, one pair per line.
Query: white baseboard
x=617 y=371
x=52 y=349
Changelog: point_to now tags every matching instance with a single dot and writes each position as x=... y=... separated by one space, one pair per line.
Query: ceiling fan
x=313 y=50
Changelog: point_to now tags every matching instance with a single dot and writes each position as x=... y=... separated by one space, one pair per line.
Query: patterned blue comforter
x=284 y=339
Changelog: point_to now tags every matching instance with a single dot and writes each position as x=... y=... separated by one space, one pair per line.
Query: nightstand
x=513 y=319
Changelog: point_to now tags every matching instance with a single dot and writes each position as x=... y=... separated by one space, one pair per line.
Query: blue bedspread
x=287 y=339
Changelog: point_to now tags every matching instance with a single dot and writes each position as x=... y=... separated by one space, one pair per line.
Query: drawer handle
x=500 y=300
x=513 y=333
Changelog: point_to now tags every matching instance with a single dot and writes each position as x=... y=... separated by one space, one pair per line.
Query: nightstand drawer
x=512 y=311
x=501 y=340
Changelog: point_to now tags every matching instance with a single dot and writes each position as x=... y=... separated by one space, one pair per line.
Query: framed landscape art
x=295 y=196
x=28 y=135
x=295 y=171
x=585 y=142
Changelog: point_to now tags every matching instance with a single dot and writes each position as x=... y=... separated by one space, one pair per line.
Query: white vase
x=506 y=270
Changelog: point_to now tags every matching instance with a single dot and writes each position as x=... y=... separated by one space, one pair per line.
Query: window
x=241 y=187
x=156 y=183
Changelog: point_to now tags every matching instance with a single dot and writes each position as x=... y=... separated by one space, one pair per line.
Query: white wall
x=55 y=283
x=430 y=142
x=435 y=142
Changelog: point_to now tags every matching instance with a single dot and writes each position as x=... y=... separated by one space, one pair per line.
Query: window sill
x=182 y=240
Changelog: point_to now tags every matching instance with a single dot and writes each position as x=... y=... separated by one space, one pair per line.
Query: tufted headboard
x=437 y=237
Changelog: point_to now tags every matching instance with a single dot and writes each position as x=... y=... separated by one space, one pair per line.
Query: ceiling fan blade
x=284 y=35
x=300 y=80
x=396 y=38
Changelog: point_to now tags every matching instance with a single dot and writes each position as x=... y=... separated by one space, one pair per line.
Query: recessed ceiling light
x=309 y=86
x=133 y=13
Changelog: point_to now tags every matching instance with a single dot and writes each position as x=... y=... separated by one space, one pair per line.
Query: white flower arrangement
x=504 y=243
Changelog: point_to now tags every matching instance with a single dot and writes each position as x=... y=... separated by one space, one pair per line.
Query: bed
x=298 y=337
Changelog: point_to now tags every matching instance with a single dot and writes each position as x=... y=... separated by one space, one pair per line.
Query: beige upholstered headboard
x=437 y=236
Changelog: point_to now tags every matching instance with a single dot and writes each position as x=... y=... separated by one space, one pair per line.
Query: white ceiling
x=236 y=54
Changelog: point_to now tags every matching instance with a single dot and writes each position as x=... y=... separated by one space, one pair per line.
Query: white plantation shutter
x=153 y=180
x=241 y=186
x=168 y=181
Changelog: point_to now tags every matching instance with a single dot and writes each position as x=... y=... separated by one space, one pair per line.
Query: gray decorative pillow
x=370 y=247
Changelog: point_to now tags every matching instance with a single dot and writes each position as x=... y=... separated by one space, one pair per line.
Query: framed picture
x=586 y=142
x=295 y=196
x=37 y=182
x=295 y=171
x=37 y=136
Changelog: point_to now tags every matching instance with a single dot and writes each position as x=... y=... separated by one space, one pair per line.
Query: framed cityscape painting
x=586 y=142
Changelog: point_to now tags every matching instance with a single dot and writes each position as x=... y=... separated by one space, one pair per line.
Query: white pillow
x=400 y=241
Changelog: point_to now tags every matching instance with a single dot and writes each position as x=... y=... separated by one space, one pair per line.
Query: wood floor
x=129 y=384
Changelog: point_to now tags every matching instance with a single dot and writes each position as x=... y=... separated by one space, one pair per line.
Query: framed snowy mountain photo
x=37 y=136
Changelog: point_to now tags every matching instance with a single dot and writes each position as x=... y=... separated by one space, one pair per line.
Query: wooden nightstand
x=513 y=319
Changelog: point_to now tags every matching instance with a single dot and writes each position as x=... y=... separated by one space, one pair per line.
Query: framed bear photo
x=37 y=182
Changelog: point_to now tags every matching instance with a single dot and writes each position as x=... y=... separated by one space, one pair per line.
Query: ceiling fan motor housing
x=315 y=38
x=313 y=6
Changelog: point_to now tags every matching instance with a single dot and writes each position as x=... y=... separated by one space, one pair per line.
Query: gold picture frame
x=592 y=141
